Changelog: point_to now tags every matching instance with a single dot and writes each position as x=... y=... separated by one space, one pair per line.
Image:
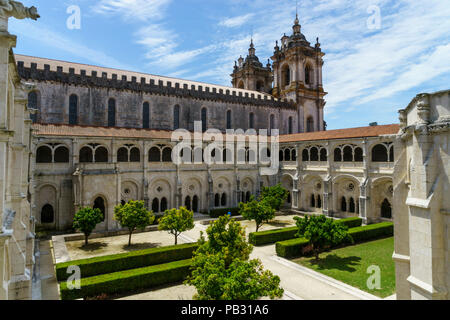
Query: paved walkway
x=45 y=286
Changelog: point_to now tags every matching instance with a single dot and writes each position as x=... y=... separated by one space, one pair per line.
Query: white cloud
x=235 y=21
x=130 y=10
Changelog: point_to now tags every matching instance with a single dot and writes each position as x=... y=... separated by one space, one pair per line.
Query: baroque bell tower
x=297 y=69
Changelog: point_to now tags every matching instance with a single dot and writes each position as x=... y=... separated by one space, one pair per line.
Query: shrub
x=352 y=222
x=271 y=236
x=216 y=213
x=86 y=220
x=128 y=280
x=259 y=211
x=372 y=232
x=125 y=261
x=275 y=196
x=292 y=248
x=176 y=221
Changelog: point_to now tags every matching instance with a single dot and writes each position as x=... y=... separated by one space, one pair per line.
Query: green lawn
x=350 y=265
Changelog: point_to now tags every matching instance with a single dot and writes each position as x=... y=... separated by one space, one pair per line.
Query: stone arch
x=44 y=154
x=47 y=195
x=380 y=153
x=160 y=188
x=346 y=187
x=154 y=154
x=381 y=189
x=129 y=190
x=61 y=154
x=287 y=182
x=100 y=202
x=285 y=76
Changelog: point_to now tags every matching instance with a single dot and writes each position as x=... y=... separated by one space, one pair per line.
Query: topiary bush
x=352 y=222
x=125 y=261
x=372 y=232
x=292 y=248
x=128 y=280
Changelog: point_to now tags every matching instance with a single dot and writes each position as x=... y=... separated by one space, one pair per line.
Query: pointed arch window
x=146 y=115
x=229 y=119
x=111 y=113
x=204 y=120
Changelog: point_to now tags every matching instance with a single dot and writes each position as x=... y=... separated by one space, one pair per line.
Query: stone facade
x=16 y=222
x=422 y=220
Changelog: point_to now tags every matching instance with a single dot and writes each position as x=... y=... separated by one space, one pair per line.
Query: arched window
x=146 y=115
x=319 y=202
x=313 y=201
x=227 y=156
x=343 y=204
x=44 y=155
x=308 y=75
x=223 y=201
x=294 y=155
x=251 y=121
x=352 y=208
x=111 y=113
x=337 y=155
x=122 y=155
x=281 y=156
x=391 y=154
x=286 y=76
x=47 y=214
x=154 y=155
x=348 y=154
x=287 y=155
x=217 y=200
x=99 y=203
x=323 y=155
x=386 y=209
x=305 y=155
x=290 y=126
x=101 y=154
x=195 y=204
x=379 y=153
x=204 y=120
x=314 y=154
x=73 y=109
x=229 y=119
x=135 y=155
x=248 y=195
x=155 y=205
x=359 y=155
x=241 y=85
x=164 y=205
x=176 y=117
x=33 y=104
x=310 y=124
x=86 y=155
x=167 y=155
x=187 y=202
x=62 y=155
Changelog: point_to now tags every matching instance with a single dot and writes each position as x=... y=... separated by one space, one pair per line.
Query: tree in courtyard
x=86 y=220
x=176 y=221
x=275 y=196
x=133 y=215
x=260 y=211
x=221 y=269
x=321 y=232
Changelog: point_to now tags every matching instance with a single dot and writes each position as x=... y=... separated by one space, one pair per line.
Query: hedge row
x=373 y=231
x=128 y=281
x=125 y=261
x=298 y=247
x=216 y=213
x=273 y=236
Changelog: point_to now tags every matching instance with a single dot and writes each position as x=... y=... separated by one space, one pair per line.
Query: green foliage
x=275 y=196
x=321 y=232
x=352 y=222
x=371 y=232
x=215 y=213
x=272 y=236
x=128 y=280
x=86 y=220
x=125 y=261
x=133 y=215
x=222 y=270
x=176 y=221
x=292 y=248
x=260 y=211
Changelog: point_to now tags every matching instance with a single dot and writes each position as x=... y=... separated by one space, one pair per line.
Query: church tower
x=297 y=69
x=250 y=74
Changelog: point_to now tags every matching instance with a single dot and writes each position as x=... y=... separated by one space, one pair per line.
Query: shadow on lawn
x=279 y=224
x=334 y=261
x=140 y=246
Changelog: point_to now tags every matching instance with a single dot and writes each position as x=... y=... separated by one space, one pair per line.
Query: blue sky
x=369 y=73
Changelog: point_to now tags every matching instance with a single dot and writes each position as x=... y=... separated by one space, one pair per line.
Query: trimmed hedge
x=128 y=280
x=298 y=247
x=216 y=213
x=351 y=222
x=291 y=248
x=372 y=232
x=272 y=236
x=125 y=261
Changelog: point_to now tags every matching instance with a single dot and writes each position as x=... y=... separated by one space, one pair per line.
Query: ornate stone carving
x=9 y=8
x=423 y=111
